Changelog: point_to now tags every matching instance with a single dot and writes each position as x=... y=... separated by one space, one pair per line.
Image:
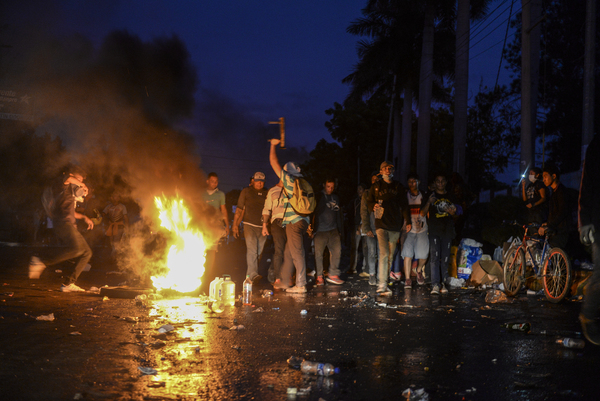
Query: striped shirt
x=290 y=216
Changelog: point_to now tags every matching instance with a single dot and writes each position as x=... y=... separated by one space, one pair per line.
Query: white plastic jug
x=228 y=291
x=212 y=289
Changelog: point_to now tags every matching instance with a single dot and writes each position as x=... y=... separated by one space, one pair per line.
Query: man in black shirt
x=559 y=215
x=387 y=199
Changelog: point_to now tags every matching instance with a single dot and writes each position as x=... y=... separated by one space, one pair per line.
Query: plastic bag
x=470 y=252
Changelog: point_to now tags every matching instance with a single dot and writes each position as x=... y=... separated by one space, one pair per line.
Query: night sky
x=256 y=61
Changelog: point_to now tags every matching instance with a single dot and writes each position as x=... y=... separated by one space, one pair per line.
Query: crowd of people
x=400 y=229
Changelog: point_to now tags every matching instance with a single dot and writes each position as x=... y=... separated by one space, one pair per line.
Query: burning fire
x=185 y=260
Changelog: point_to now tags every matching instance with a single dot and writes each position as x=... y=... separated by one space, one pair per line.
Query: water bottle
x=379 y=212
x=317 y=368
x=247 y=291
x=525 y=327
x=227 y=291
x=571 y=342
x=212 y=294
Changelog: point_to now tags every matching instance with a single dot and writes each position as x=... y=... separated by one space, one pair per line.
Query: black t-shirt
x=440 y=221
x=253 y=202
x=393 y=200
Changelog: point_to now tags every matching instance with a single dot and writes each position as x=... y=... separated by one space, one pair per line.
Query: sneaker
x=435 y=290
x=395 y=276
x=384 y=291
x=590 y=329
x=297 y=289
x=320 y=281
x=334 y=280
x=256 y=279
x=408 y=283
x=36 y=267
x=311 y=273
x=71 y=288
x=278 y=285
x=420 y=278
x=363 y=274
x=372 y=279
x=443 y=289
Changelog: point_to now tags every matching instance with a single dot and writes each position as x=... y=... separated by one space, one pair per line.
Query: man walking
x=387 y=199
x=70 y=190
x=416 y=244
x=250 y=205
x=328 y=231
x=295 y=226
x=442 y=210
x=273 y=214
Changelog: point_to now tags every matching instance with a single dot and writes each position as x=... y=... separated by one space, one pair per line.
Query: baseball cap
x=385 y=164
x=258 y=176
x=292 y=169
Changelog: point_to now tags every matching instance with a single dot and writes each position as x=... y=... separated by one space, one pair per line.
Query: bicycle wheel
x=514 y=270
x=557 y=275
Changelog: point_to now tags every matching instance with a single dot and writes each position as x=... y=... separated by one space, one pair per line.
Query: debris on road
x=47 y=318
x=166 y=328
x=240 y=327
x=495 y=296
x=415 y=395
x=147 y=371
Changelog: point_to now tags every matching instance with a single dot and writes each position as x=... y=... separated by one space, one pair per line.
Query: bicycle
x=552 y=265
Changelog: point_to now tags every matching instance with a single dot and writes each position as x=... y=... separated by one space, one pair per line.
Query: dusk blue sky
x=262 y=60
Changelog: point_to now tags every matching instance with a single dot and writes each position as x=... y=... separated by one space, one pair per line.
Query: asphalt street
x=441 y=347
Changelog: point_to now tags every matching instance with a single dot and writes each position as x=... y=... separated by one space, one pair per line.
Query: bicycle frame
x=534 y=264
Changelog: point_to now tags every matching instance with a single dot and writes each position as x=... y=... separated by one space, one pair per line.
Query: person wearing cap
x=387 y=199
x=295 y=226
x=250 y=205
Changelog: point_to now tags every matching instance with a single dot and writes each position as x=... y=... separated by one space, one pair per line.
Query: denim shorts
x=416 y=246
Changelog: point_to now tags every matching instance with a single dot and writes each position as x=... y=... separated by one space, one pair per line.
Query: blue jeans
x=371 y=255
x=255 y=242
x=330 y=239
x=293 y=256
x=387 y=241
x=75 y=248
x=279 y=240
x=439 y=256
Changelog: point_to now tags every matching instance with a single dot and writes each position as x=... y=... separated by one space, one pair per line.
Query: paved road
x=452 y=346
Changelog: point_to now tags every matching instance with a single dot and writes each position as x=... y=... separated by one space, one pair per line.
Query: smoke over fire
x=115 y=108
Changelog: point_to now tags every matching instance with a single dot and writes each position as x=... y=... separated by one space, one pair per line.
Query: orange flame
x=185 y=260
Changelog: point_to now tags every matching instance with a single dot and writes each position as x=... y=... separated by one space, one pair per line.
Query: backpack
x=303 y=198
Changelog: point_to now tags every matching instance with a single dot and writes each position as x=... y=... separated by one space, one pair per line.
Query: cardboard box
x=486 y=272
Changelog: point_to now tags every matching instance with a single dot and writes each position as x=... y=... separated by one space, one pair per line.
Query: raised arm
x=273 y=157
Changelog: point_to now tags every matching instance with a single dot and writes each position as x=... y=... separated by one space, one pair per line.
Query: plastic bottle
x=227 y=291
x=571 y=342
x=219 y=290
x=525 y=327
x=212 y=294
x=247 y=291
x=317 y=368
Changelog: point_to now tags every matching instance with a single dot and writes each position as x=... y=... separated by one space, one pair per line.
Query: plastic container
x=227 y=291
x=571 y=342
x=247 y=291
x=317 y=368
x=212 y=288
